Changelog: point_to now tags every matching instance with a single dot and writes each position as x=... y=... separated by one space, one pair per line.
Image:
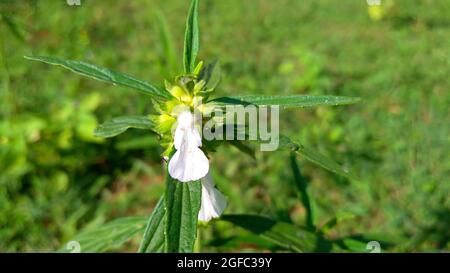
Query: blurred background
x=56 y=178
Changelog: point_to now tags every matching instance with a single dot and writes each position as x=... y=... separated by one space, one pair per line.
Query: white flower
x=189 y=163
x=213 y=201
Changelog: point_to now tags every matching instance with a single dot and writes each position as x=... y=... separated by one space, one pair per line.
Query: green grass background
x=56 y=178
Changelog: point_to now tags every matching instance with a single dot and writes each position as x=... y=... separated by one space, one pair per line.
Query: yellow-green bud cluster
x=188 y=91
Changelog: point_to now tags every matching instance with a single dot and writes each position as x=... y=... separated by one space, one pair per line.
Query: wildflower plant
x=182 y=106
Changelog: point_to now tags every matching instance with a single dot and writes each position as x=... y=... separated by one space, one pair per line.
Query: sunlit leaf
x=191 y=39
x=119 y=125
x=106 y=75
x=288 y=101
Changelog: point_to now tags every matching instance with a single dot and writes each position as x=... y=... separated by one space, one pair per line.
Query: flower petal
x=213 y=201
x=178 y=138
x=188 y=165
x=200 y=164
x=185 y=120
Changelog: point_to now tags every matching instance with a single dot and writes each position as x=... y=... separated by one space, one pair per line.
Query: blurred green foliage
x=56 y=178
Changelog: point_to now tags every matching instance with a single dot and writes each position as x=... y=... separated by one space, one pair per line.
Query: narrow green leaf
x=167 y=44
x=302 y=187
x=241 y=146
x=336 y=220
x=253 y=241
x=354 y=245
x=285 y=143
x=153 y=240
x=285 y=235
x=207 y=72
x=108 y=236
x=285 y=102
x=324 y=162
x=118 y=125
x=191 y=38
x=364 y=243
x=315 y=157
x=182 y=203
x=106 y=75
x=13 y=26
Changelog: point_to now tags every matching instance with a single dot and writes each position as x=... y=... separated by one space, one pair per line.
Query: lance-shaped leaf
x=153 y=240
x=118 y=125
x=315 y=157
x=207 y=73
x=231 y=243
x=289 y=101
x=107 y=236
x=168 y=47
x=302 y=187
x=191 y=39
x=340 y=217
x=106 y=75
x=241 y=146
x=283 y=234
x=16 y=29
x=182 y=202
x=369 y=242
x=285 y=143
